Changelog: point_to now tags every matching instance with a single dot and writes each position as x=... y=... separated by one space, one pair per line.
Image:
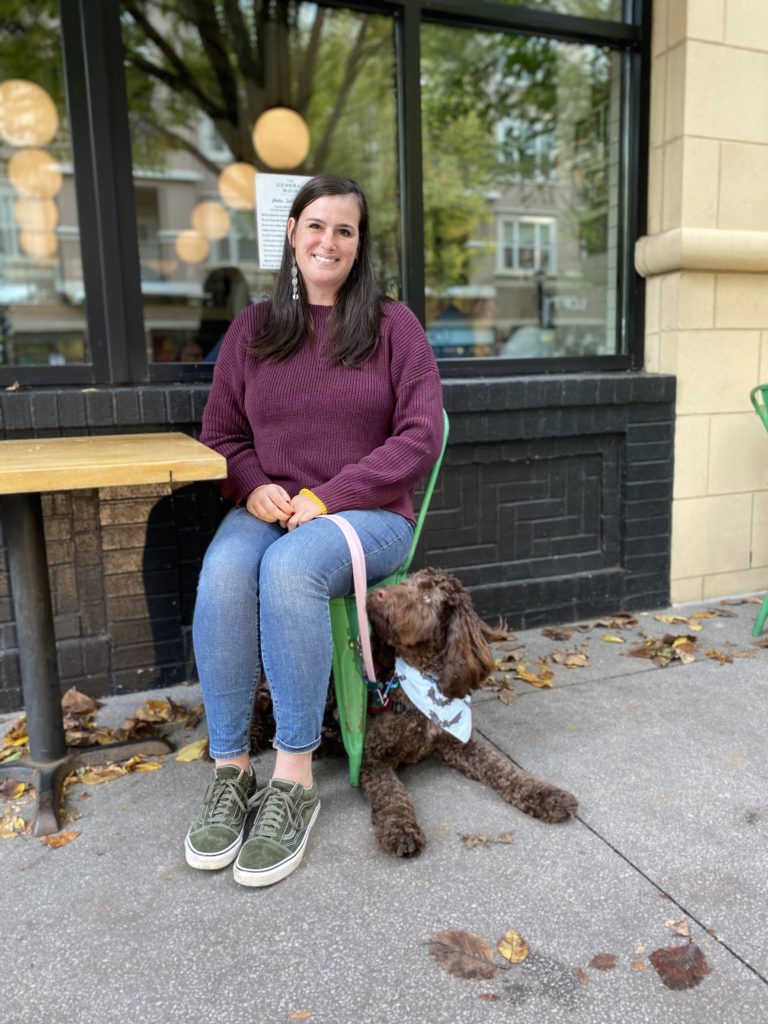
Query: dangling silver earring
x=294 y=281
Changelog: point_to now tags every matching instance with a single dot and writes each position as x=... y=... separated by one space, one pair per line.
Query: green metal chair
x=351 y=691
x=759 y=400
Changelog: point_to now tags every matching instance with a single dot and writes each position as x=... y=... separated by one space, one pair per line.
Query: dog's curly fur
x=428 y=621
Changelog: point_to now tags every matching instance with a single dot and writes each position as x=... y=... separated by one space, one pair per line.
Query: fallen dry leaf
x=582 y=975
x=571 y=659
x=489 y=997
x=557 y=633
x=536 y=674
x=721 y=656
x=639 y=965
x=513 y=947
x=472 y=840
x=300 y=1015
x=10 y=789
x=690 y=621
x=463 y=954
x=76 y=703
x=609 y=638
x=13 y=825
x=60 y=839
x=508 y=696
x=603 y=961
x=680 y=967
x=681 y=927
x=193 y=751
x=621 y=620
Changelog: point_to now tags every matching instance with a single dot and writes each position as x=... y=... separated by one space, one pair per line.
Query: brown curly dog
x=428 y=621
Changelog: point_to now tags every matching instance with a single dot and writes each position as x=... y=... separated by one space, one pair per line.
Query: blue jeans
x=262 y=600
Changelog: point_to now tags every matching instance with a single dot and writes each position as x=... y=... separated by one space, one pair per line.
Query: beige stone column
x=705 y=259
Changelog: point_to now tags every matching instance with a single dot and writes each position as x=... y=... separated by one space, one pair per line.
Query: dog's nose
x=379 y=594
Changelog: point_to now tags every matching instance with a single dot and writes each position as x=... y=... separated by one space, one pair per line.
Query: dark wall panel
x=554 y=504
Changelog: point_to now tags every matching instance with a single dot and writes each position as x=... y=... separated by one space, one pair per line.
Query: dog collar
x=452 y=714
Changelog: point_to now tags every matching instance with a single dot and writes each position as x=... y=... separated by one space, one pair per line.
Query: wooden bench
x=28 y=468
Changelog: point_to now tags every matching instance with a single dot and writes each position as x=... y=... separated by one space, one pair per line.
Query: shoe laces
x=275 y=810
x=223 y=799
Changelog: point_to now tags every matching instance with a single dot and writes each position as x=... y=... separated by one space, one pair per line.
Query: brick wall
x=553 y=505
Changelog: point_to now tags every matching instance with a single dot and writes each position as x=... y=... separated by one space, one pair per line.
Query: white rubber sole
x=271 y=875
x=212 y=861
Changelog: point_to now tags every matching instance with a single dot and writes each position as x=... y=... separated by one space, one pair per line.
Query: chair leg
x=351 y=691
x=762 y=615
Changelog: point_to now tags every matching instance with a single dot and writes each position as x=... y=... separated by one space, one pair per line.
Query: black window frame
x=101 y=145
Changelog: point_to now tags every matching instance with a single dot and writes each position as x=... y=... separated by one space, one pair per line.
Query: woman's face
x=325 y=240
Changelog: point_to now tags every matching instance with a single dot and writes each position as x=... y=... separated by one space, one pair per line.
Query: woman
x=325 y=399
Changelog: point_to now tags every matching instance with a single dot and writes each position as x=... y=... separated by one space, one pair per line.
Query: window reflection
x=41 y=281
x=521 y=158
x=283 y=87
x=609 y=9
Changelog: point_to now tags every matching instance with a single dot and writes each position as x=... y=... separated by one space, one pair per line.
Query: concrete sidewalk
x=670 y=770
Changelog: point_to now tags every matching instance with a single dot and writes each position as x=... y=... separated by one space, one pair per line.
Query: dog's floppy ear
x=468 y=658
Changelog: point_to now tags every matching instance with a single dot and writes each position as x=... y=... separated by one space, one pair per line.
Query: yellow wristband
x=306 y=491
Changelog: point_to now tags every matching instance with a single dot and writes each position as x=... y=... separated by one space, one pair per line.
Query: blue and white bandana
x=449 y=713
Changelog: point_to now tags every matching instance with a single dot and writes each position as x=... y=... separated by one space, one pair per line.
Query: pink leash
x=361 y=586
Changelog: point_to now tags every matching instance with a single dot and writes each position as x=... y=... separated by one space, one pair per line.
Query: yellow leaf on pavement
x=537 y=674
x=148 y=766
x=193 y=751
x=609 y=638
x=60 y=839
x=513 y=947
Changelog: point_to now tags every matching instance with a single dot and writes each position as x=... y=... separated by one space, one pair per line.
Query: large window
x=521 y=192
x=500 y=142
x=283 y=88
x=42 y=316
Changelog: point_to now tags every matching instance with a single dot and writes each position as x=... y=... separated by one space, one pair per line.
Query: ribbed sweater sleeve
x=225 y=426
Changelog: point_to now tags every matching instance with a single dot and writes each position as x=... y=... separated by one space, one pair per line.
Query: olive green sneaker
x=275 y=846
x=216 y=836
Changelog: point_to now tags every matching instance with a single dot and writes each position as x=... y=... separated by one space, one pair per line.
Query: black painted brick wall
x=554 y=504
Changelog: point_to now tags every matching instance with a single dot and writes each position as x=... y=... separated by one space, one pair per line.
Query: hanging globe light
x=40 y=244
x=34 y=173
x=211 y=220
x=28 y=115
x=35 y=214
x=281 y=138
x=237 y=186
x=191 y=246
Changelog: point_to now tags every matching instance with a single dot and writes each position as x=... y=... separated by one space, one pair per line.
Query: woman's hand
x=304 y=509
x=270 y=503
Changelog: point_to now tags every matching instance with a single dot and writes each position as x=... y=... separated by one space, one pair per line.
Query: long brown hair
x=356 y=314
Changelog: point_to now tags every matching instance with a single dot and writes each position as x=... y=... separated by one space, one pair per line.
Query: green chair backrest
x=423 y=508
x=758 y=398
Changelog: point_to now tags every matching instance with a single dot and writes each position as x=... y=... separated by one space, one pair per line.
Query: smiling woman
x=325 y=241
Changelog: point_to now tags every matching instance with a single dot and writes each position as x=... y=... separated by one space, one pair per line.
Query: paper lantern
x=39 y=244
x=191 y=246
x=28 y=115
x=237 y=186
x=281 y=138
x=211 y=220
x=34 y=173
x=35 y=214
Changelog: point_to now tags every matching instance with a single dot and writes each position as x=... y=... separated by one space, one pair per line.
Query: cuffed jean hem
x=283 y=748
x=229 y=755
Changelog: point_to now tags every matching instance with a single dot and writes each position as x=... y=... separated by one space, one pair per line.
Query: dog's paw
x=402 y=840
x=552 y=804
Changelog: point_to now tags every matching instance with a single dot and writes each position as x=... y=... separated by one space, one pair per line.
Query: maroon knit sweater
x=359 y=438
